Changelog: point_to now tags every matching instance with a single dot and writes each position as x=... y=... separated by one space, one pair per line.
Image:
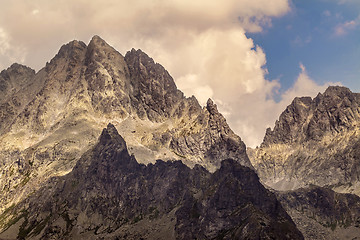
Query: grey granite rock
x=321 y=213
x=315 y=141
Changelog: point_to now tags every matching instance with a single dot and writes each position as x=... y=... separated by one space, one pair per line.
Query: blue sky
x=311 y=34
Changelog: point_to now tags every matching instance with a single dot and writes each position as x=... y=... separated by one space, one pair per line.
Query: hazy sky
x=251 y=56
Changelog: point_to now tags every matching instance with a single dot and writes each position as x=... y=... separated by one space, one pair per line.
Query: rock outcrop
x=108 y=195
x=315 y=141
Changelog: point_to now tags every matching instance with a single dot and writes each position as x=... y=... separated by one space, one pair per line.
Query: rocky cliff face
x=321 y=213
x=315 y=141
x=108 y=195
x=305 y=119
x=50 y=118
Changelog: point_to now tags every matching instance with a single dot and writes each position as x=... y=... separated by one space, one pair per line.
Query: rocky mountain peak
x=97 y=40
x=211 y=106
x=18 y=69
x=338 y=91
x=99 y=50
x=14 y=78
x=310 y=119
x=69 y=56
x=146 y=68
x=154 y=93
x=315 y=141
x=71 y=49
x=287 y=127
x=110 y=135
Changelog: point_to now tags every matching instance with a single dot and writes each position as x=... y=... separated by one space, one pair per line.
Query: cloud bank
x=202 y=43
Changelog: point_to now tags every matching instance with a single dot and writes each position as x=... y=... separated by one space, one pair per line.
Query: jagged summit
x=306 y=118
x=17 y=68
x=210 y=105
x=18 y=86
x=110 y=134
x=14 y=78
x=96 y=39
x=315 y=141
x=70 y=49
x=212 y=108
x=287 y=127
x=154 y=93
x=98 y=49
x=339 y=91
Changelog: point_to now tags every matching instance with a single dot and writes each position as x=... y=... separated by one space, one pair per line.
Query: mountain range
x=104 y=146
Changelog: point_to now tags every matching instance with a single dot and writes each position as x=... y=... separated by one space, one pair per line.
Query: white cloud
x=345 y=27
x=232 y=65
x=201 y=43
x=35 y=12
x=192 y=86
x=42 y=26
x=8 y=52
x=4 y=41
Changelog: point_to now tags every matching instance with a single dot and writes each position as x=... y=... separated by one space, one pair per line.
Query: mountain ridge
x=50 y=149
x=315 y=141
x=109 y=195
x=83 y=88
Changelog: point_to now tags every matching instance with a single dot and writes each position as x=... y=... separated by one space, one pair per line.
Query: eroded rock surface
x=315 y=141
x=321 y=213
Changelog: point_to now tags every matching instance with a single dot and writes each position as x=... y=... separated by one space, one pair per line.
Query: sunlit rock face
x=109 y=195
x=50 y=118
x=315 y=141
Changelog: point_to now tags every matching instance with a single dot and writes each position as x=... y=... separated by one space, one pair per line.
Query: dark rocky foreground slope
x=315 y=141
x=108 y=195
x=320 y=213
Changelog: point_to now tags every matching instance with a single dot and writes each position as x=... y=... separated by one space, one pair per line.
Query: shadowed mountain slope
x=108 y=195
